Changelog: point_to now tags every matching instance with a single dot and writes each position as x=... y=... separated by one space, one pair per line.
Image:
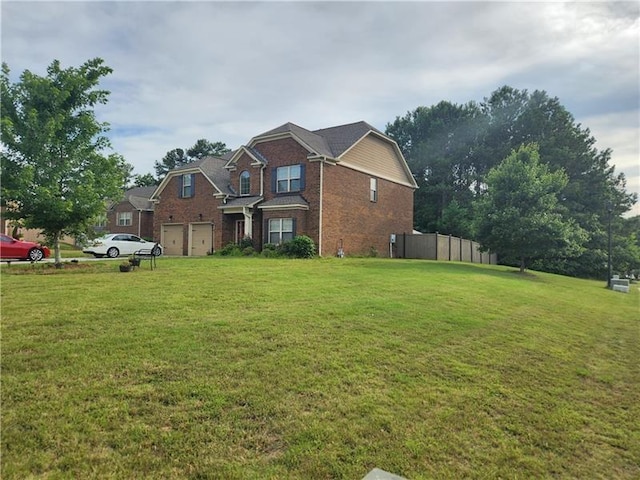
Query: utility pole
x=609 y=266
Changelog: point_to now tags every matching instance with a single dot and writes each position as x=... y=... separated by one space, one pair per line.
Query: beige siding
x=376 y=157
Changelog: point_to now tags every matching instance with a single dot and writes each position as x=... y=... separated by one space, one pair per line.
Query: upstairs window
x=373 y=189
x=245 y=183
x=124 y=219
x=187 y=186
x=289 y=179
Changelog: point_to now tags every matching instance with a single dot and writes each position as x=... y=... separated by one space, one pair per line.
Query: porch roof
x=289 y=201
x=241 y=202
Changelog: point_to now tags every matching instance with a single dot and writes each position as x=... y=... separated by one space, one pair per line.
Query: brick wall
x=289 y=152
x=362 y=225
x=188 y=210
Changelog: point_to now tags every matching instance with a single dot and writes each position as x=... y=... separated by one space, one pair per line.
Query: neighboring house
x=347 y=187
x=133 y=214
x=13 y=229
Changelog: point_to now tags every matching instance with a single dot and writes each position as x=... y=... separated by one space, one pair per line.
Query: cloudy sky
x=227 y=71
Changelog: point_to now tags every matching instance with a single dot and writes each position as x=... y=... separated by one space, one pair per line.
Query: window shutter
x=193 y=184
x=274 y=180
x=179 y=177
x=302 y=175
x=265 y=235
x=293 y=226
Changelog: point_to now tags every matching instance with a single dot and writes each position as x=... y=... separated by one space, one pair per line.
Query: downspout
x=320 y=209
x=262 y=180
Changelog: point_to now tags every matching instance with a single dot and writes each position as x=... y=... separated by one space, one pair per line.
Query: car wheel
x=156 y=252
x=35 y=255
x=113 y=252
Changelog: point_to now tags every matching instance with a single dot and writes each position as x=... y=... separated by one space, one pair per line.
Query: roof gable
x=212 y=168
x=314 y=143
x=375 y=155
x=343 y=137
x=334 y=144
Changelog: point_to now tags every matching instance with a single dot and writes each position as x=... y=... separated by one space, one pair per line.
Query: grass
x=241 y=368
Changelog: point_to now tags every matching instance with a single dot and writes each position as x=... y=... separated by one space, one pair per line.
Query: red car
x=21 y=250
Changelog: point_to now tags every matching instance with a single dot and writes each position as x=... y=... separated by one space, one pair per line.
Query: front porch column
x=248 y=222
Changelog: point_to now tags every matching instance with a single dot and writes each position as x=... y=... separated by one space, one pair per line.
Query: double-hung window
x=373 y=189
x=288 y=179
x=124 y=219
x=187 y=186
x=245 y=183
x=280 y=230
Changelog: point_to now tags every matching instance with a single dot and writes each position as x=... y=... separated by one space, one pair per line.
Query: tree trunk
x=56 y=250
x=522 y=264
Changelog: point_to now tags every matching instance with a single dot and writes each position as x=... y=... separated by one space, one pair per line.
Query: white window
x=245 y=183
x=101 y=221
x=373 y=189
x=187 y=185
x=288 y=179
x=280 y=230
x=124 y=219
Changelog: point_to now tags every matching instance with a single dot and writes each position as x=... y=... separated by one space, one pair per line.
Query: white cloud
x=230 y=70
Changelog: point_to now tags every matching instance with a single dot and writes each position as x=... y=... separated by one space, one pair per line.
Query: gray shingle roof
x=242 y=202
x=331 y=142
x=285 y=201
x=139 y=197
x=213 y=168
x=343 y=137
x=316 y=142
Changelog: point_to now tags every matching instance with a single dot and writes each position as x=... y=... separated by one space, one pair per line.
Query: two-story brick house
x=346 y=187
x=133 y=214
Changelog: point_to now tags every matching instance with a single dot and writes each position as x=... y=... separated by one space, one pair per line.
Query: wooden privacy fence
x=434 y=246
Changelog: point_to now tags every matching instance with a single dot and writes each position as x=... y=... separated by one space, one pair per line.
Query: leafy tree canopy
x=519 y=215
x=146 y=180
x=178 y=157
x=451 y=148
x=55 y=174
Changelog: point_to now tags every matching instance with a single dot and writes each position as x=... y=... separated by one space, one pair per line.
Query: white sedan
x=116 y=244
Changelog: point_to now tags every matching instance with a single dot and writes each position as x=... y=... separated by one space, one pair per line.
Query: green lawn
x=249 y=368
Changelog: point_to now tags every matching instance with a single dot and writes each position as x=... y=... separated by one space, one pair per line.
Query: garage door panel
x=172 y=239
x=201 y=235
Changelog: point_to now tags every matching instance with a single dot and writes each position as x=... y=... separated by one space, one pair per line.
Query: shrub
x=270 y=250
x=245 y=243
x=230 y=250
x=300 y=247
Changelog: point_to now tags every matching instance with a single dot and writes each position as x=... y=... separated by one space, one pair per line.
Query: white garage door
x=172 y=239
x=201 y=234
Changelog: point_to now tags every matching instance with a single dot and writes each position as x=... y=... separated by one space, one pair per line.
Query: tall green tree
x=56 y=175
x=172 y=159
x=439 y=144
x=204 y=148
x=451 y=148
x=177 y=157
x=519 y=216
x=146 y=180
